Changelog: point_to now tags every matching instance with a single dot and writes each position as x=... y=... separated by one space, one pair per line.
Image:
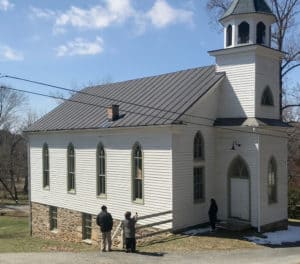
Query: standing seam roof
x=156 y=100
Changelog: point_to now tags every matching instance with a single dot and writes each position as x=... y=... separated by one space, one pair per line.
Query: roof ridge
x=151 y=76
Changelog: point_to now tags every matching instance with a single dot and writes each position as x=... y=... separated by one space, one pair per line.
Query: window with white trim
x=272 y=181
x=71 y=168
x=137 y=173
x=101 y=171
x=198 y=168
x=45 y=166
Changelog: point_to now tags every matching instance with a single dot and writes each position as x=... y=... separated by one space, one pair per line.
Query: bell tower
x=252 y=66
x=247 y=22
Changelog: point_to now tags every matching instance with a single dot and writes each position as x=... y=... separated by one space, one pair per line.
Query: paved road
x=265 y=255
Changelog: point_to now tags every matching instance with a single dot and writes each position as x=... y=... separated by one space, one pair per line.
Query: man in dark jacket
x=105 y=221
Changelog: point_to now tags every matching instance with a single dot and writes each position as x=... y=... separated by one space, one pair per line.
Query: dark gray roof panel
x=247 y=6
x=253 y=122
x=158 y=100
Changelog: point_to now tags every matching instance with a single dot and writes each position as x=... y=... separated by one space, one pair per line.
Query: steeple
x=247 y=22
x=239 y=7
x=251 y=65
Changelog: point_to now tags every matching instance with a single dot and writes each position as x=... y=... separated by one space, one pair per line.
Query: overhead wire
x=136 y=113
x=112 y=99
x=102 y=97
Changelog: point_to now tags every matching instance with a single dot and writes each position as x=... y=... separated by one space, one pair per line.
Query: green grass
x=14 y=237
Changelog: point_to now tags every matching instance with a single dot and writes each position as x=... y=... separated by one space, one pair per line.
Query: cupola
x=247 y=22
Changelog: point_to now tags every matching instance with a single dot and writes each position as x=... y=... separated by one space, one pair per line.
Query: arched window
x=137 y=172
x=45 y=166
x=267 y=97
x=71 y=167
x=238 y=169
x=198 y=147
x=272 y=181
x=229 y=36
x=244 y=31
x=101 y=170
x=261 y=33
x=199 y=168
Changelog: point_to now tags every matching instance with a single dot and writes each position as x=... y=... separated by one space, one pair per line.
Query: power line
x=102 y=97
x=116 y=100
x=132 y=112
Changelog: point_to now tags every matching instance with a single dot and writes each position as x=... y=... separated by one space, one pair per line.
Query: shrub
x=294 y=200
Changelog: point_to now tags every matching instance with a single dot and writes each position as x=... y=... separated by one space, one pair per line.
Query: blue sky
x=75 y=43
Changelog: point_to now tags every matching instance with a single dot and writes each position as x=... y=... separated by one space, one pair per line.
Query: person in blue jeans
x=129 y=232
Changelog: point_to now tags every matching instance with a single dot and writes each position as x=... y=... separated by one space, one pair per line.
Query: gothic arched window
x=71 y=167
x=272 y=181
x=261 y=33
x=198 y=147
x=229 y=36
x=45 y=166
x=267 y=97
x=244 y=32
x=137 y=172
x=199 y=168
x=239 y=169
x=101 y=170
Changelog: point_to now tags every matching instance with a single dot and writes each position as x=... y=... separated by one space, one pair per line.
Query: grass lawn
x=221 y=240
x=14 y=237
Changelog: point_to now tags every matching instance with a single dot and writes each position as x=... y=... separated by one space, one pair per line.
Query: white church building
x=170 y=143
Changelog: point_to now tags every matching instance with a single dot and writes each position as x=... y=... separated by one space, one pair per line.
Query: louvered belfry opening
x=113 y=112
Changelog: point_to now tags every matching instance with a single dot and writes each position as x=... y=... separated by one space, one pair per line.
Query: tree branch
x=289 y=69
x=291 y=105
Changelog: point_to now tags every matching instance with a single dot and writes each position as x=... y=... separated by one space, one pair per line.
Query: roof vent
x=113 y=112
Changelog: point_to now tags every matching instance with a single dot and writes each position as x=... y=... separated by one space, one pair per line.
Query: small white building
x=170 y=142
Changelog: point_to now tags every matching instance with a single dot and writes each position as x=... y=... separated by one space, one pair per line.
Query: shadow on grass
x=164 y=240
x=225 y=234
x=152 y=254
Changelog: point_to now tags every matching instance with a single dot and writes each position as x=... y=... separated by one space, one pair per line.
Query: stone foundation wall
x=69 y=225
x=280 y=225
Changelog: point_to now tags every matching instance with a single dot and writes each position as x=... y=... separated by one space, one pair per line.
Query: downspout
x=29 y=186
x=258 y=184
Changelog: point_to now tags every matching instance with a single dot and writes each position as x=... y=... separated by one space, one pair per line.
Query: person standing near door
x=212 y=213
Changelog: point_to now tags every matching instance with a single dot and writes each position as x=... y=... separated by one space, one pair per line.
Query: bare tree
x=13 y=162
x=10 y=103
x=61 y=96
x=283 y=37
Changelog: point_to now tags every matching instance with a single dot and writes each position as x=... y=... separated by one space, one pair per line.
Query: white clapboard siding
x=157 y=153
x=186 y=212
x=248 y=150
x=277 y=148
x=266 y=69
x=238 y=92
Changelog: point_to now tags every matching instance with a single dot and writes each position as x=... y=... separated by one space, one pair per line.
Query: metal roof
x=247 y=6
x=157 y=100
x=251 y=122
